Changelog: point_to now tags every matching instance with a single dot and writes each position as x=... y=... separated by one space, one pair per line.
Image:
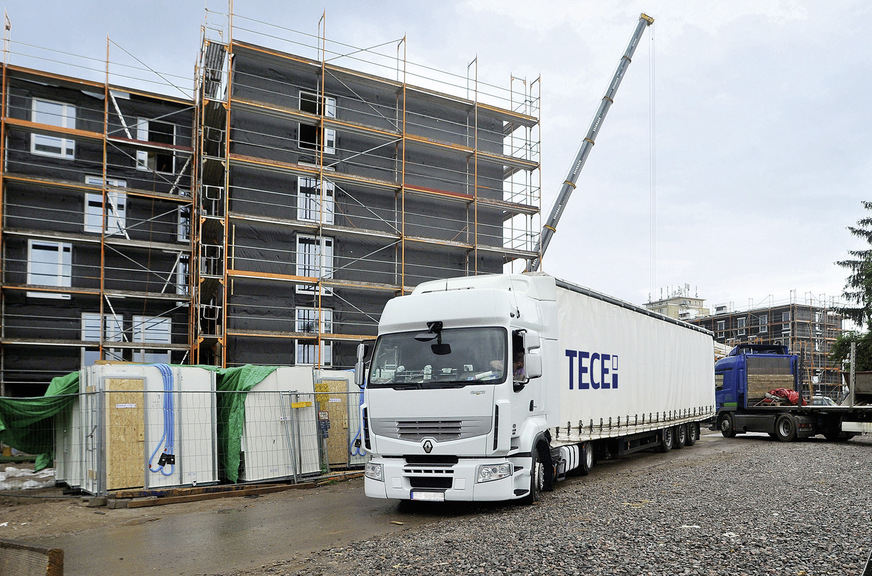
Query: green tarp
x=27 y=424
x=232 y=385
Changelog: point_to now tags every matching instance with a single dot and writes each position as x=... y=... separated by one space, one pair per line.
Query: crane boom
x=587 y=145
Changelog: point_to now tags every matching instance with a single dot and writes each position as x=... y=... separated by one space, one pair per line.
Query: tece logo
x=593 y=370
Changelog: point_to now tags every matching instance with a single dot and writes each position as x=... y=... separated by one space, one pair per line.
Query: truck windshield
x=458 y=357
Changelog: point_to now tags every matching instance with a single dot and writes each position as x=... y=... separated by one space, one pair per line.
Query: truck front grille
x=415 y=430
x=439 y=430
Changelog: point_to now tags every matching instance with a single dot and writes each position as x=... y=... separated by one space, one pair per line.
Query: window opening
x=116 y=214
x=307 y=353
x=156 y=132
x=310 y=136
x=152 y=330
x=314 y=260
x=112 y=332
x=53 y=114
x=309 y=200
x=307 y=320
x=49 y=264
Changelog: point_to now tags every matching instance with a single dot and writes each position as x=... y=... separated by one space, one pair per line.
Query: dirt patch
x=31 y=505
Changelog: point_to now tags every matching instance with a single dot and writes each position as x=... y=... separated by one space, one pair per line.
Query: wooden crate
x=760 y=384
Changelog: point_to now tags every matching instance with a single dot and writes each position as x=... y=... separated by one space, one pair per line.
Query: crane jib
x=584 y=150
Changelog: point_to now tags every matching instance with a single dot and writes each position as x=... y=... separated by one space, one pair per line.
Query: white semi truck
x=494 y=387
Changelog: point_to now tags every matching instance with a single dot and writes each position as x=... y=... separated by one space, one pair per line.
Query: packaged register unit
x=281 y=438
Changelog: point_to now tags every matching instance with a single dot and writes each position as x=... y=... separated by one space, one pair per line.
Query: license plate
x=428 y=496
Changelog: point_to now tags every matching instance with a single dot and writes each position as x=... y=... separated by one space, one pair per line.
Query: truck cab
x=455 y=397
x=755 y=387
x=758 y=367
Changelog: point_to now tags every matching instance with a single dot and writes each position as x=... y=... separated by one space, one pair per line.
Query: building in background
x=679 y=304
x=266 y=218
x=808 y=327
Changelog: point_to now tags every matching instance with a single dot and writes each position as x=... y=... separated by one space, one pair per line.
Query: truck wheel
x=725 y=425
x=785 y=428
x=666 y=439
x=586 y=464
x=537 y=478
x=680 y=436
x=692 y=433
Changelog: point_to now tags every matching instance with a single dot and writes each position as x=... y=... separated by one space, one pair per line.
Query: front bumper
x=455 y=482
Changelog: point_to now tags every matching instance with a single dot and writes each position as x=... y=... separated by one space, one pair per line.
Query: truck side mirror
x=533 y=365
x=531 y=340
x=359 y=366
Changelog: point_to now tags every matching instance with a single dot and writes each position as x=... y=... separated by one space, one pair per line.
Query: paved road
x=222 y=536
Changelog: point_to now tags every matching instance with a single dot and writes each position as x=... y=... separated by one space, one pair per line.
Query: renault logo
x=428 y=446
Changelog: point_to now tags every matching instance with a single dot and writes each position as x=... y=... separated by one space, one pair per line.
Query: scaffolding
x=96 y=205
x=263 y=216
x=324 y=190
x=808 y=325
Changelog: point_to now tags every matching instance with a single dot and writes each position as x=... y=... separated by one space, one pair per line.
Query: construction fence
x=155 y=427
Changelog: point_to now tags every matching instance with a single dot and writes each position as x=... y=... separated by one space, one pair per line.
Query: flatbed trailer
x=758 y=389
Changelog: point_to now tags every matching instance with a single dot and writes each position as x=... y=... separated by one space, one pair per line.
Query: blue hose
x=167 y=457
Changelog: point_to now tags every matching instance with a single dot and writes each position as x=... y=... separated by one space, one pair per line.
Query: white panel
x=272 y=427
x=194 y=427
x=653 y=366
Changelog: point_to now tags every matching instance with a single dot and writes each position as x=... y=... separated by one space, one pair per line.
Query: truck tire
x=725 y=425
x=666 y=439
x=537 y=478
x=586 y=463
x=785 y=428
x=692 y=433
x=680 y=436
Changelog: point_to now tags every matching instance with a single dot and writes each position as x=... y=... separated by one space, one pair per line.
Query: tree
x=858 y=287
x=858 y=295
x=841 y=350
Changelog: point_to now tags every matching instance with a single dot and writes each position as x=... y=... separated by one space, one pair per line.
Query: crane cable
x=167 y=457
x=652 y=171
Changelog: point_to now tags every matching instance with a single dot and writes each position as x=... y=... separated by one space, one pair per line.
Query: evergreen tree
x=858 y=296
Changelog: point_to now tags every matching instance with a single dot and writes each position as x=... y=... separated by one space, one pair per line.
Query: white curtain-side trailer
x=494 y=387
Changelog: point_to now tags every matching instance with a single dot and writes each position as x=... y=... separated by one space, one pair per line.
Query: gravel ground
x=798 y=509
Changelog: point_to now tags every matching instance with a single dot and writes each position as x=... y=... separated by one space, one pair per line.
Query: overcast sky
x=762 y=126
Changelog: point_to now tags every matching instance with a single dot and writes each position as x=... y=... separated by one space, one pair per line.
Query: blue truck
x=758 y=388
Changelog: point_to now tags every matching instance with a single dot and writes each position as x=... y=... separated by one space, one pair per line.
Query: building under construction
x=808 y=327
x=265 y=219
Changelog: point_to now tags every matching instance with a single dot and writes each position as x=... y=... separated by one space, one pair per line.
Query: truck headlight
x=374 y=471
x=491 y=472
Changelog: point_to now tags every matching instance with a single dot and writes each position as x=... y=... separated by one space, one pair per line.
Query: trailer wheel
x=586 y=464
x=785 y=428
x=666 y=439
x=692 y=433
x=537 y=478
x=725 y=425
x=680 y=436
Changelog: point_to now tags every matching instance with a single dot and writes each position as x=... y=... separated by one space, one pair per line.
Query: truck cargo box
x=626 y=369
